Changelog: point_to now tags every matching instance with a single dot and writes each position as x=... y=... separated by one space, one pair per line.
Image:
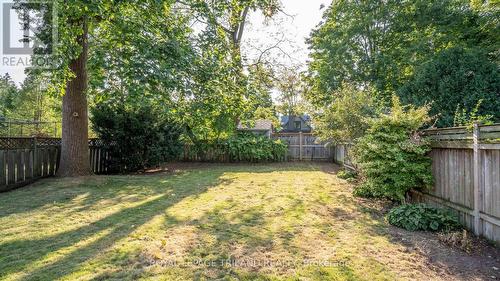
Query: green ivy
x=415 y=217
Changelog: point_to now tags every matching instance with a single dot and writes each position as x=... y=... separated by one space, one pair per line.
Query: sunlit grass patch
x=241 y=222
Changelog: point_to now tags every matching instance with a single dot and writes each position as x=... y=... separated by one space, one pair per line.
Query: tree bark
x=74 y=146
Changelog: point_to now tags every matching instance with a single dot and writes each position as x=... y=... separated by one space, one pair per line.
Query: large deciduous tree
x=291 y=89
x=230 y=17
x=223 y=90
x=8 y=95
x=76 y=21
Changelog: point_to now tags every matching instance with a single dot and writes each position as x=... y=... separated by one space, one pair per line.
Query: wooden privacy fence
x=24 y=160
x=304 y=146
x=466 y=169
x=342 y=155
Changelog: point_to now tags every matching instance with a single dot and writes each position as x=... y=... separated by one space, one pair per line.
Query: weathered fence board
x=23 y=160
x=342 y=156
x=305 y=146
x=466 y=170
x=467 y=176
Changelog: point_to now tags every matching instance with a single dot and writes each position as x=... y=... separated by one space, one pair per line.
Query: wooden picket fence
x=24 y=160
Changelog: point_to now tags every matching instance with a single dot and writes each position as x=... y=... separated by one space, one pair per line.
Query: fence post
x=300 y=146
x=34 y=167
x=477 y=180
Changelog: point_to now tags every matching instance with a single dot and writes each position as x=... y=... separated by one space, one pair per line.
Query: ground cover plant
x=422 y=217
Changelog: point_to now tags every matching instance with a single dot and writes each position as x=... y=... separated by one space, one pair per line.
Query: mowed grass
x=208 y=222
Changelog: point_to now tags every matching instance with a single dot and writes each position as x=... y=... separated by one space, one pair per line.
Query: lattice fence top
x=48 y=142
x=29 y=143
x=16 y=143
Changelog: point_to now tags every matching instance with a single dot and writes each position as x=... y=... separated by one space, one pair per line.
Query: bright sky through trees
x=292 y=29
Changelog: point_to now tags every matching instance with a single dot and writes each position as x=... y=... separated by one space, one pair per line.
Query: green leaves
x=415 y=217
x=139 y=136
x=392 y=156
x=347 y=117
x=251 y=148
x=381 y=44
x=242 y=147
x=456 y=78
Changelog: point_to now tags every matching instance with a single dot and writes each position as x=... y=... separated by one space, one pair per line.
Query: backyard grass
x=206 y=222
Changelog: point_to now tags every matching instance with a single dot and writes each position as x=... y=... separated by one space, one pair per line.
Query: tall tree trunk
x=74 y=147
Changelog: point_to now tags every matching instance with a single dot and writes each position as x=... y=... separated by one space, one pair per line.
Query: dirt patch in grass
x=288 y=221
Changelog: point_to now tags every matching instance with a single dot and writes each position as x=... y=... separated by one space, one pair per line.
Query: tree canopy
x=366 y=43
x=455 y=77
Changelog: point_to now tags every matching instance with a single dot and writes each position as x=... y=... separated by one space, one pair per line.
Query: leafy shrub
x=346 y=118
x=364 y=191
x=138 y=138
x=422 y=217
x=464 y=118
x=242 y=147
x=392 y=157
x=246 y=147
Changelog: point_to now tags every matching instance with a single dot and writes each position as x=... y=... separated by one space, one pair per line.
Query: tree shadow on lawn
x=230 y=246
x=240 y=233
x=65 y=252
x=117 y=188
x=96 y=237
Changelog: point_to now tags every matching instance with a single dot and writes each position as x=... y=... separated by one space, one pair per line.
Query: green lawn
x=274 y=222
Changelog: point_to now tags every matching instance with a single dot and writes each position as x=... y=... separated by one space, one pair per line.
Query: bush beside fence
x=466 y=170
x=241 y=148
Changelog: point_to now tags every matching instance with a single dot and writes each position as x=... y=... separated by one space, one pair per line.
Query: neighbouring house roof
x=259 y=125
x=285 y=119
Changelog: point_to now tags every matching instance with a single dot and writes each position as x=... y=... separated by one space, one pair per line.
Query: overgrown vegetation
x=464 y=118
x=392 y=156
x=456 y=78
x=444 y=52
x=254 y=148
x=138 y=137
x=346 y=118
x=241 y=147
x=415 y=217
